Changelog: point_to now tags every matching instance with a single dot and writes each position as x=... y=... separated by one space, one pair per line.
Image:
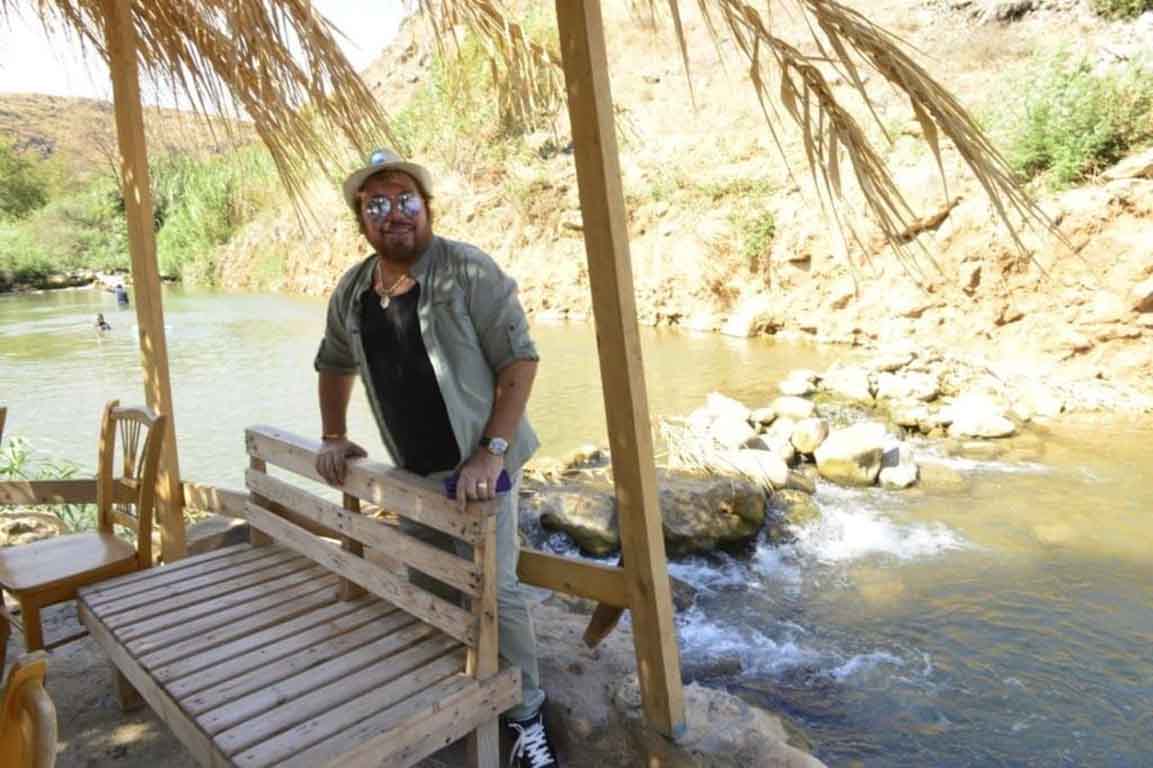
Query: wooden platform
x=251 y=658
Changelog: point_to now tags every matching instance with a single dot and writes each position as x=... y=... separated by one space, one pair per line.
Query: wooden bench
x=296 y=649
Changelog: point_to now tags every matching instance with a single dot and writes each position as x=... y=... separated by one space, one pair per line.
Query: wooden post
x=121 y=39
x=622 y=372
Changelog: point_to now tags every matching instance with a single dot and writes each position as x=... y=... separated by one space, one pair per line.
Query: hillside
x=81 y=133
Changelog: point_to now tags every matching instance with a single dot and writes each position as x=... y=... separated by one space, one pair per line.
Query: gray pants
x=517 y=636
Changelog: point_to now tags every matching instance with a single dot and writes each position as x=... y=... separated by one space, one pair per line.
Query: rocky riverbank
x=734 y=470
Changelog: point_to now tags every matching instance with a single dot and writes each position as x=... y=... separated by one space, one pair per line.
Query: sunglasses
x=408 y=204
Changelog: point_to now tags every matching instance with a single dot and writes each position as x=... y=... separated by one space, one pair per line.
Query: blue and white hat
x=379 y=161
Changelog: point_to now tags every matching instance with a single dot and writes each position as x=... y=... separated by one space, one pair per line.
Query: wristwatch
x=497 y=446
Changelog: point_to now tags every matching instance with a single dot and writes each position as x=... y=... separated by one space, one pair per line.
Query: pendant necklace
x=386 y=294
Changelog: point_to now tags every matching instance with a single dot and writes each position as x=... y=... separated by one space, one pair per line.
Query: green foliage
x=1066 y=122
x=1121 y=9
x=198 y=205
x=756 y=231
x=23 y=184
x=16 y=463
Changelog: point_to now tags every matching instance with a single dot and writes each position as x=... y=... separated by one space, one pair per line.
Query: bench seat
x=253 y=660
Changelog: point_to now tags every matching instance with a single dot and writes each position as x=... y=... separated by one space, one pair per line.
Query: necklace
x=386 y=293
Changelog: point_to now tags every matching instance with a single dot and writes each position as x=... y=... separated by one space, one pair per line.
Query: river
x=1006 y=623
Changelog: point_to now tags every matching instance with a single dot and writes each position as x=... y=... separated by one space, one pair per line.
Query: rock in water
x=809 y=434
x=978 y=416
x=898 y=468
x=790 y=407
x=852 y=456
x=849 y=383
x=588 y=516
x=701 y=514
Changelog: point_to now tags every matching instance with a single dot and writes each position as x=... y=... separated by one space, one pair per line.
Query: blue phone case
x=503 y=483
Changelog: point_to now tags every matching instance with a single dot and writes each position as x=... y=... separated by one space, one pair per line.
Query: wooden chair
x=27 y=716
x=50 y=571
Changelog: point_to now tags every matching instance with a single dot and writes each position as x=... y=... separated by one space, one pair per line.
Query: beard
x=402 y=243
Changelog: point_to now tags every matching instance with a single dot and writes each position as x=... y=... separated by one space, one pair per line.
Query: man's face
x=403 y=232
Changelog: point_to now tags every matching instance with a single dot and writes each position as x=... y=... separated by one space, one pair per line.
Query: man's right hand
x=332 y=461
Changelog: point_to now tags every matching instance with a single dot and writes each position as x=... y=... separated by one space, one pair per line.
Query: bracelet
x=334 y=436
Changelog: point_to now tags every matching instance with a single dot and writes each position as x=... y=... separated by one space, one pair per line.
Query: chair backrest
x=298 y=518
x=126 y=479
x=28 y=726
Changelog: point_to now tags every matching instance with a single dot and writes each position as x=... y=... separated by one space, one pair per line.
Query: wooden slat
x=257 y=620
x=226 y=619
x=440 y=613
x=165 y=708
x=124 y=519
x=303 y=572
x=168 y=589
x=483 y=744
x=606 y=235
x=603 y=583
x=249 y=689
x=223 y=662
x=218 y=596
x=415 y=692
x=305 y=700
x=30 y=492
x=125 y=491
x=175 y=572
x=400 y=492
x=413 y=729
x=210 y=498
x=444 y=566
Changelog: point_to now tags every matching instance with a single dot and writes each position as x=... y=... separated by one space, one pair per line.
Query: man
x=435 y=330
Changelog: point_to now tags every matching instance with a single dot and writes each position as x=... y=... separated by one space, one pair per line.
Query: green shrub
x=16 y=463
x=1067 y=122
x=23 y=183
x=1121 y=9
x=756 y=231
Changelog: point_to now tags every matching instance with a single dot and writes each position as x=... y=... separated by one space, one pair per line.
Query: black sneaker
x=531 y=747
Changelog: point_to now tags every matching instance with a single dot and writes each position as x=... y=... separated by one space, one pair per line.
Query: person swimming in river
x=121 y=294
x=102 y=324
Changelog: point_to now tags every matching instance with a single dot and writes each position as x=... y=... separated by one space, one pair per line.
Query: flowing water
x=1005 y=622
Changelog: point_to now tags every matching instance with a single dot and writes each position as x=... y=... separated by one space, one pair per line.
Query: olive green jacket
x=473 y=325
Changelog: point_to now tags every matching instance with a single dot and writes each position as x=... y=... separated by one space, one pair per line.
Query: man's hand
x=332 y=461
x=477 y=480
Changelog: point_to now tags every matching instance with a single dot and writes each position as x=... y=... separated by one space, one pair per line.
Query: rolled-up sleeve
x=335 y=352
x=499 y=318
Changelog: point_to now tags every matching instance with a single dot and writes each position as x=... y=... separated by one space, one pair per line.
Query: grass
x=1067 y=121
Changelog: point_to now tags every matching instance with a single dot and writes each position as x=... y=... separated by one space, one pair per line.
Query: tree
x=23 y=187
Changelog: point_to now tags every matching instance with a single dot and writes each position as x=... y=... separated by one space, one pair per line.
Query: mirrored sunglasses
x=408 y=204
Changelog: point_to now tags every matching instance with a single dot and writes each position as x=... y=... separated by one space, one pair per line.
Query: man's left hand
x=477 y=480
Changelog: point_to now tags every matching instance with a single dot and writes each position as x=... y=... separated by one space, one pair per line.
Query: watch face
x=495 y=445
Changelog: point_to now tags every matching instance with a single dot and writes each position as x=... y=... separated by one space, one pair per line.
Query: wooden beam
x=121 y=39
x=603 y=583
x=29 y=492
x=622 y=372
x=210 y=498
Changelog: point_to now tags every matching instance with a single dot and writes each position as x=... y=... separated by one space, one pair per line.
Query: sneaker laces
x=531 y=742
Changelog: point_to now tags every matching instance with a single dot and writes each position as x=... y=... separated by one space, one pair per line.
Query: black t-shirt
x=406 y=387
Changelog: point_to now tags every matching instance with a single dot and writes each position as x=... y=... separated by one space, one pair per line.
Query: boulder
x=762 y=417
x=722 y=405
x=796 y=408
x=849 y=383
x=910 y=385
x=1142 y=296
x=911 y=415
x=765 y=468
x=1138 y=166
x=700 y=514
x=852 y=456
x=796 y=387
x=892 y=360
x=752 y=317
x=940 y=478
x=976 y=415
x=789 y=509
x=720 y=731
x=588 y=516
x=808 y=434
x=730 y=433
x=898 y=467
